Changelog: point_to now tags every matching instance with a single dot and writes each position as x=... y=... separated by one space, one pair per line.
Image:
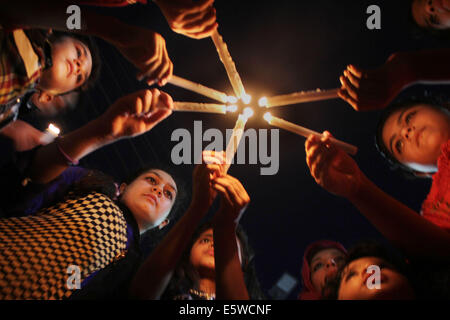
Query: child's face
x=414 y=136
x=354 y=282
x=72 y=64
x=150 y=198
x=324 y=266
x=202 y=252
x=434 y=14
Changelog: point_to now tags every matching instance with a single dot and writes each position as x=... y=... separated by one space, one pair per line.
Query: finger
x=223 y=192
x=310 y=142
x=355 y=71
x=231 y=184
x=167 y=75
x=165 y=101
x=156 y=117
x=353 y=80
x=205 y=33
x=155 y=100
x=200 y=5
x=313 y=154
x=147 y=101
x=352 y=91
x=199 y=25
x=343 y=94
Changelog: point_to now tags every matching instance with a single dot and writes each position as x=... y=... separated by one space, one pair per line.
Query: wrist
x=361 y=188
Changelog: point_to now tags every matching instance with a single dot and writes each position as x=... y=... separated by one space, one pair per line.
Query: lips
x=151 y=197
x=210 y=252
x=418 y=136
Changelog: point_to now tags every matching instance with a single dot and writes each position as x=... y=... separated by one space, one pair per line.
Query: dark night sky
x=279 y=47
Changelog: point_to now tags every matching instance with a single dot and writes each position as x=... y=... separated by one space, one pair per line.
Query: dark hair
x=186 y=277
x=89 y=41
x=418 y=32
x=438 y=102
x=368 y=249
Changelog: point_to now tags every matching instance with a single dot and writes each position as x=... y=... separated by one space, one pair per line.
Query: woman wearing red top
x=416 y=137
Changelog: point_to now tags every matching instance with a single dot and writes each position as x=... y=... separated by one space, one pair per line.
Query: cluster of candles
x=228 y=103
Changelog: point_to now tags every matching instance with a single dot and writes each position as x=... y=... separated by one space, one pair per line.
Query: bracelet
x=69 y=160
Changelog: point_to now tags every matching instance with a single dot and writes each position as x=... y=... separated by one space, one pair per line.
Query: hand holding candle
x=289 y=126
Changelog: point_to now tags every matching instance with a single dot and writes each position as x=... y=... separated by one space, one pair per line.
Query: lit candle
x=50 y=134
x=229 y=65
x=203 y=107
x=298 y=97
x=289 y=126
x=201 y=89
x=236 y=136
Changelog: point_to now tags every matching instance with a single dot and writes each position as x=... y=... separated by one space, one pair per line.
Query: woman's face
x=431 y=14
x=354 y=282
x=202 y=252
x=72 y=64
x=414 y=136
x=150 y=198
x=324 y=265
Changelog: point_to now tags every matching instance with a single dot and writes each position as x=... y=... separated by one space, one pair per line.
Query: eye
x=205 y=240
x=317 y=266
x=151 y=180
x=78 y=52
x=399 y=146
x=168 y=194
x=410 y=116
x=350 y=275
x=79 y=78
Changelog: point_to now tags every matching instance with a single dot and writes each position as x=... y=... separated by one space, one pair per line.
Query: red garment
x=308 y=292
x=109 y=3
x=436 y=207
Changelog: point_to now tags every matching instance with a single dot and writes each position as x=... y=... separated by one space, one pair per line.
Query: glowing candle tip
x=248 y=112
x=267 y=116
x=232 y=99
x=232 y=108
x=246 y=98
x=53 y=129
x=262 y=102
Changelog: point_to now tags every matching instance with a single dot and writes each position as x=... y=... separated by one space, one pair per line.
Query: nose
x=158 y=191
x=77 y=64
x=331 y=263
x=406 y=132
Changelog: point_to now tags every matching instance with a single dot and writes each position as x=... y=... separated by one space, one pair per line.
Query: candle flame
x=246 y=98
x=267 y=116
x=232 y=99
x=53 y=129
x=248 y=112
x=263 y=102
x=232 y=108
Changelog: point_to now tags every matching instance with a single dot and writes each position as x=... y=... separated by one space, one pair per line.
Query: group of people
x=56 y=214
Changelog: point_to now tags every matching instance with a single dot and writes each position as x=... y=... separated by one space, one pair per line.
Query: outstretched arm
x=338 y=173
x=230 y=284
x=374 y=89
x=129 y=116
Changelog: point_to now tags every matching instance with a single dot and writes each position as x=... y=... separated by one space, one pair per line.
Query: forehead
x=206 y=233
x=365 y=261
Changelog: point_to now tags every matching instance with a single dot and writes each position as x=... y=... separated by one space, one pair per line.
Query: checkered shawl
x=35 y=251
x=14 y=81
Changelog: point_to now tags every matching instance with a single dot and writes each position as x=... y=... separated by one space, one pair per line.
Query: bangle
x=69 y=160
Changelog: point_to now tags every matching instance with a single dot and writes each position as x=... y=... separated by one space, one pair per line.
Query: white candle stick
x=203 y=107
x=289 y=126
x=200 y=89
x=236 y=136
x=230 y=67
x=298 y=97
